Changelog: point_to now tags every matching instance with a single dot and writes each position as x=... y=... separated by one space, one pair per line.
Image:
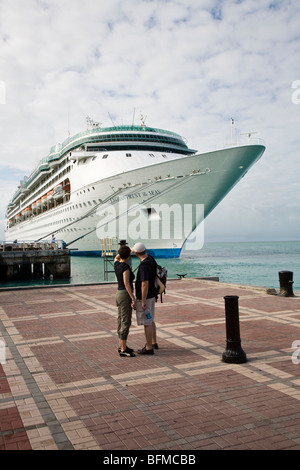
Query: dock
x=25 y=260
x=63 y=385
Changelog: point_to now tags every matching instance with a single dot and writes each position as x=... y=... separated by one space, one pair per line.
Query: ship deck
x=64 y=386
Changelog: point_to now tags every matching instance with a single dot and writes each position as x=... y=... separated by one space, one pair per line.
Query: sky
x=189 y=66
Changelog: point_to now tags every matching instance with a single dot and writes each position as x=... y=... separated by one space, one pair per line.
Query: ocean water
x=250 y=263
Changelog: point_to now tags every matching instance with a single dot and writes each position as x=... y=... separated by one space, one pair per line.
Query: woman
x=125 y=298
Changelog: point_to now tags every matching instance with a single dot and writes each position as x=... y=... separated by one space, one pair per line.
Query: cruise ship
x=126 y=184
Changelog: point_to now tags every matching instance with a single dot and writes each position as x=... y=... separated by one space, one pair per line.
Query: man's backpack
x=160 y=281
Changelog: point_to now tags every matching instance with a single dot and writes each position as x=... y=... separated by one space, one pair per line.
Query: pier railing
x=31 y=245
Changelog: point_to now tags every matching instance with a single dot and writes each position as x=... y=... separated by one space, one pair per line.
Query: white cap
x=139 y=248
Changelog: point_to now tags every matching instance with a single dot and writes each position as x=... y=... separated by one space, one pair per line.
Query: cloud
x=188 y=65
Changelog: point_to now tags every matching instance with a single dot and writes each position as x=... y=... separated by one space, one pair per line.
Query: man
x=146 y=296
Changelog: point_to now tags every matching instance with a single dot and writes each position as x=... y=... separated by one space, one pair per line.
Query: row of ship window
x=128 y=155
x=76 y=206
x=139 y=138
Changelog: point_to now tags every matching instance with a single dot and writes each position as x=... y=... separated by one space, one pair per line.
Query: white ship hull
x=152 y=197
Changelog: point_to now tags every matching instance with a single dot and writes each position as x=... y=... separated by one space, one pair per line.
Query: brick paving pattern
x=64 y=386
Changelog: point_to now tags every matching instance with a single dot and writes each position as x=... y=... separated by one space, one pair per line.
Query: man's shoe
x=145 y=351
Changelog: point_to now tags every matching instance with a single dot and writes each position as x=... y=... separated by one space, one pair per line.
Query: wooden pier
x=40 y=260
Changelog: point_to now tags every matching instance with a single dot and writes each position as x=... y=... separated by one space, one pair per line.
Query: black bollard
x=286 y=283
x=233 y=353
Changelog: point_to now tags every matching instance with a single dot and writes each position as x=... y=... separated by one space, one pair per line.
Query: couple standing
x=144 y=302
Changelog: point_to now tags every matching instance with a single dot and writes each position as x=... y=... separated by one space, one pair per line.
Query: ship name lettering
x=131 y=196
x=154 y=192
x=135 y=195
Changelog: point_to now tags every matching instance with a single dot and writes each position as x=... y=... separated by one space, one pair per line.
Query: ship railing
x=31 y=245
x=247 y=140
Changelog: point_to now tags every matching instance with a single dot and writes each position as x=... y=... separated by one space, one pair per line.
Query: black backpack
x=160 y=281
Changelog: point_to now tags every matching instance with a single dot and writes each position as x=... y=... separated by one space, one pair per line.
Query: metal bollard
x=286 y=283
x=233 y=353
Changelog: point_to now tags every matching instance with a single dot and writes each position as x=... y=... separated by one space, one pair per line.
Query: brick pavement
x=64 y=386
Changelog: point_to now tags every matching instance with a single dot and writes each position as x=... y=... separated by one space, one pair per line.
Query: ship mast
x=143 y=120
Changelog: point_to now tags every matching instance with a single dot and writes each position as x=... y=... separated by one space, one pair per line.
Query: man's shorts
x=141 y=318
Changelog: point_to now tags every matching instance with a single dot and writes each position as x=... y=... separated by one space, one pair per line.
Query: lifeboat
x=50 y=195
x=26 y=212
x=39 y=202
x=58 y=192
x=66 y=187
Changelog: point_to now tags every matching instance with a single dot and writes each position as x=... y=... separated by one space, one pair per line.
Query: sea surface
x=247 y=263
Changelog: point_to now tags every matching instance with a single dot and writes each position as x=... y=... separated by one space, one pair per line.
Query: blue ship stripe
x=156 y=252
